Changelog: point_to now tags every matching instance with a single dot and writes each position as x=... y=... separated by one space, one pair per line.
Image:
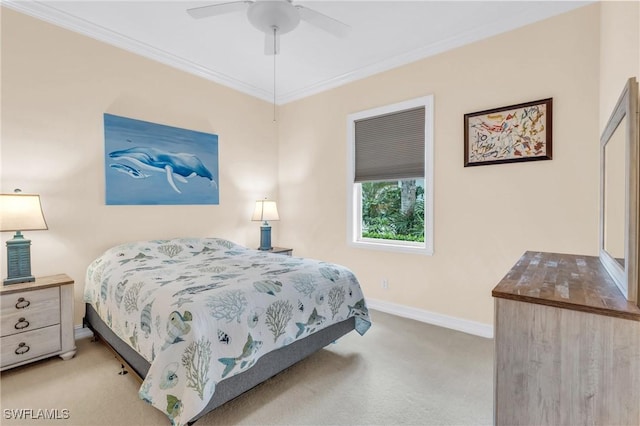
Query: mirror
x=619 y=193
x=614 y=194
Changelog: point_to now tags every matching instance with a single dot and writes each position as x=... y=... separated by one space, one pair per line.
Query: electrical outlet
x=385 y=283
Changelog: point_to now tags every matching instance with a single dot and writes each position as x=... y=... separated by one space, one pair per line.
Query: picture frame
x=509 y=134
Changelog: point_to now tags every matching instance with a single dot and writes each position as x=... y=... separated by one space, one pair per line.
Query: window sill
x=393 y=246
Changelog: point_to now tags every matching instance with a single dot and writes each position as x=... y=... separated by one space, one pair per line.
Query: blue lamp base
x=265 y=238
x=18 y=260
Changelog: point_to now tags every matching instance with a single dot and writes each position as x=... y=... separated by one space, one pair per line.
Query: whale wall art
x=154 y=164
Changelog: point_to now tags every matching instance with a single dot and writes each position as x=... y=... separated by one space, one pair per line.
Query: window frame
x=354 y=190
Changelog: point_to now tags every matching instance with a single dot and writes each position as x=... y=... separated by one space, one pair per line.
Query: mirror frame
x=626 y=278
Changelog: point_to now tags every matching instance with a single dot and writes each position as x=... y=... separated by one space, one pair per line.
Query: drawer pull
x=22 y=348
x=22 y=303
x=22 y=323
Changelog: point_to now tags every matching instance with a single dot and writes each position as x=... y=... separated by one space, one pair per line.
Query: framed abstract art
x=509 y=134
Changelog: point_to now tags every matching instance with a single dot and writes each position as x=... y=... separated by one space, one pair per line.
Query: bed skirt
x=267 y=366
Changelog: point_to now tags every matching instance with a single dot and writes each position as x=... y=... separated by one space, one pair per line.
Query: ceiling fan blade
x=271 y=48
x=324 y=22
x=218 y=9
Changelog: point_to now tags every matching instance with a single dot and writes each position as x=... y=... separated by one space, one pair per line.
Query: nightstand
x=36 y=321
x=282 y=250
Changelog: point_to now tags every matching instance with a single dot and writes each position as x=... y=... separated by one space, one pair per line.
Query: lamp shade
x=21 y=212
x=265 y=210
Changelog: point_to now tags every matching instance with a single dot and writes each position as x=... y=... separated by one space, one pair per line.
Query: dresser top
x=567 y=281
x=40 y=282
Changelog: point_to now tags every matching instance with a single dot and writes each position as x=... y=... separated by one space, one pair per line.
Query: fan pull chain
x=274 y=73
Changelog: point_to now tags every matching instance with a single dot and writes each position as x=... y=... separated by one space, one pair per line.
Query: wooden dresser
x=567 y=345
x=36 y=320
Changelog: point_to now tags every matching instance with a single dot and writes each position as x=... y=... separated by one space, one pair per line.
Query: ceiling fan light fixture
x=265 y=15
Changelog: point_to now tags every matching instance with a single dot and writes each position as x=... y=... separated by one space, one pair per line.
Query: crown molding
x=526 y=17
x=44 y=12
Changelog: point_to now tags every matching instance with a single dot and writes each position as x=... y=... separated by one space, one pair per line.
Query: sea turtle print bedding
x=202 y=310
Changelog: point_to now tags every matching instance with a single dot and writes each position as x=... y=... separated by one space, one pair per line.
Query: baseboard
x=80 y=332
x=466 y=326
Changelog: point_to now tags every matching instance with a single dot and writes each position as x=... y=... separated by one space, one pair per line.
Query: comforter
x=202 y=310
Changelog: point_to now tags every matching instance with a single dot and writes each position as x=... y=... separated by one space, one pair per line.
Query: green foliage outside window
x=393 y=210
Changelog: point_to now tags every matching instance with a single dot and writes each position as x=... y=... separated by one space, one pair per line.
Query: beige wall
x=619 y=52
x=56 y=85
x=485 y=217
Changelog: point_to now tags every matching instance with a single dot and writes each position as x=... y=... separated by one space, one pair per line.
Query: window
x=390 y=179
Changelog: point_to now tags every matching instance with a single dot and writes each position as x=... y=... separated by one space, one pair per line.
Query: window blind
x=390 y=146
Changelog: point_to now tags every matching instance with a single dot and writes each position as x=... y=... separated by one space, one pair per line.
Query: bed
x=201 y=321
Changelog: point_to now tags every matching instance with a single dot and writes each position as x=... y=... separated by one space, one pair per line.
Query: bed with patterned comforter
x=202 y=310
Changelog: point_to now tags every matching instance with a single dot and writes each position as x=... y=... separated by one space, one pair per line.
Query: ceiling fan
x=274 y=18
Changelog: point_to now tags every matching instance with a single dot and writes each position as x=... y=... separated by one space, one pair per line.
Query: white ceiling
x=228 y=50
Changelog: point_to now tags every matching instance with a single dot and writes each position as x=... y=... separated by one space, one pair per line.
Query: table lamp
x=265 y=211
x=20 y=212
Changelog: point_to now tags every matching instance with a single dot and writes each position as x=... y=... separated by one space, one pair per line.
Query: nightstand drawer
x=36 y=321
x=32 y=344
x=29 y=310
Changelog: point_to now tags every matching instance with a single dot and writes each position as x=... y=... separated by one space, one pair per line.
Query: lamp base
x=18 y=260
x=8 y=281
x=265 y=238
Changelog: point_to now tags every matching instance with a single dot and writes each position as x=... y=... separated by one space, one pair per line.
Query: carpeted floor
x=400 y=372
